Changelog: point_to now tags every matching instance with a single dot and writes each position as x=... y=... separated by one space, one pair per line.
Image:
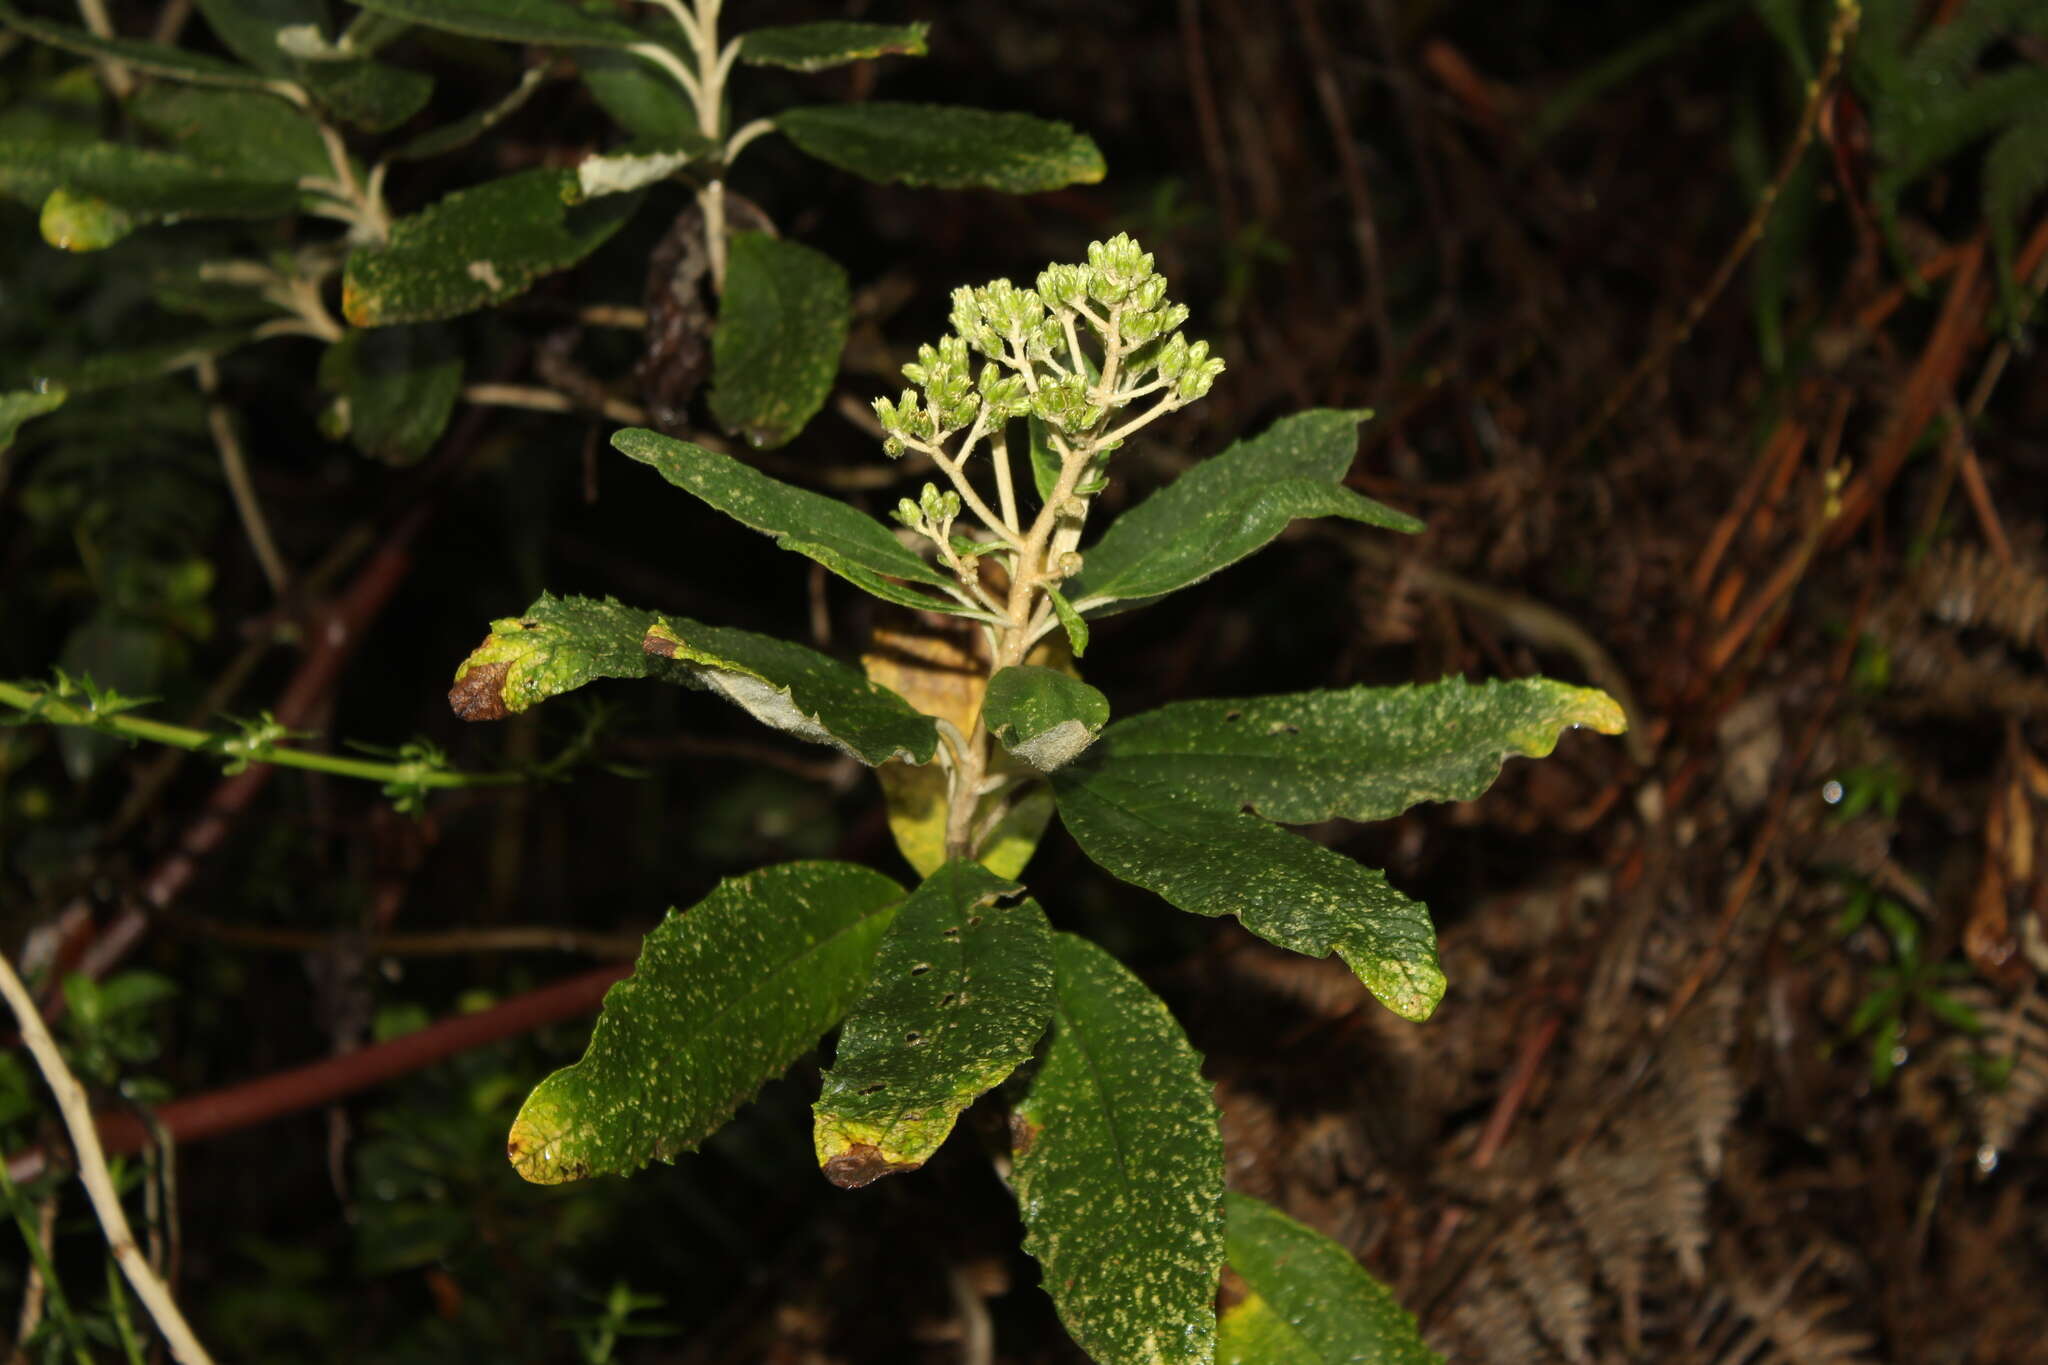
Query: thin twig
x=456 y=942
x=548 y=400
x=120 y=81
x=76 y=1110
x=235 y=468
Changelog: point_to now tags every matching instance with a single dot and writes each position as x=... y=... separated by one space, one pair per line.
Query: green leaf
x=782 y=323
x=476 y=248
x=722 y=1000
x=1361 y=753
x=1284 y=888
x=26 y=405
x=1042 y=715
x=250 y=28
x=370 y=95
x=553 y=22
x=639 y=96
x=961 y=993
x=814 y=47
x=83 y=222
x=563 y=643
x=1045 y=461
x=400 y=385
x=1311 y=1304
x=945 y=147
x=155 y=59
x=1228 y=507
x=262 y=138
x=855 y=546
x=1119 y=1169
x=798 y=690
x=1071 y=621
x=147 y=186
x=118 y=369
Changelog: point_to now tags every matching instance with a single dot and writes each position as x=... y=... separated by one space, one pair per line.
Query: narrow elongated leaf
x=1311 y=1303
x=1282 y=887
x=400 y=386
x=1071 y=621
x=1362 y=753
x=117 y=369
x=370 y=95
x=639 y=96
x=814 y=47
x=1119 y=1169
x=1042 y=715
x=562 y=643
x=1228 y=507
x=156 y=59
x=961 y=993
x=23 y=406
x=477 y=247
x=855 y=546
x=555 y=22
x=797 y=690
x=250 y=28
x=148 y=185
x=943 y=146
x=723 y=999
x=273 y=36
x=262 y=138
x=781 y=325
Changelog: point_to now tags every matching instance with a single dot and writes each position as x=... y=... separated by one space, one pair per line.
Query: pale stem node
x=76 y=1109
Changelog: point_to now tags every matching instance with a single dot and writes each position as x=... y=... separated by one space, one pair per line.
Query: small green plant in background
x=281 y=131
x=1903 y=989
x=957 y=987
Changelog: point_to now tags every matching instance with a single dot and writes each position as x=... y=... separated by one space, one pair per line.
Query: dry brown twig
x=76 y=1109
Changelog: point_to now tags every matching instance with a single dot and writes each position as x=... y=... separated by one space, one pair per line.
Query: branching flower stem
x=76 y=1109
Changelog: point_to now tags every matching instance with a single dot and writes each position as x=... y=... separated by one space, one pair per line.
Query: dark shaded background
x=1638 y=1128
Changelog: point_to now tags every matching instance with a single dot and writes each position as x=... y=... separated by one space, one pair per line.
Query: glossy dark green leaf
x=814 y=47
x=723 y=999
x=1310 y=1304
x=145 y=185
x=1042 y=715
x=554 y=22
x=400 y=385
x=943 y=146
x=639 y=96
x=961 y=993
x=563 y=643
x=264 y=139
x=781 y=325
x=476 y=248
x=1282 y=887
x=1228 y=507
x=855 y=546
x=156 y=59
x=273 y=35
x=26 y=405
x=1359 y=753
x=1119 y=1169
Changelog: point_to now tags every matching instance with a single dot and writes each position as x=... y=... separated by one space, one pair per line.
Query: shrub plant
x=957 y=987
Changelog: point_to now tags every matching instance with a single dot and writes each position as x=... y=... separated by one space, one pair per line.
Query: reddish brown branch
x=323 y=1082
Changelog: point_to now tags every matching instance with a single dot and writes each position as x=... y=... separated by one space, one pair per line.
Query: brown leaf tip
x=479 y=694
x=863 y=1164
x=658 y=643
x=1023 y=1132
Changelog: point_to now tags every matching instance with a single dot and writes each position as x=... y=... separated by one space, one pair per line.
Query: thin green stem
x=39 y=1254
x=51 y=709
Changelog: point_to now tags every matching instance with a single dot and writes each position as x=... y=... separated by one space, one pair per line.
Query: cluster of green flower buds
x=932 y=514
x=1036 y=363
